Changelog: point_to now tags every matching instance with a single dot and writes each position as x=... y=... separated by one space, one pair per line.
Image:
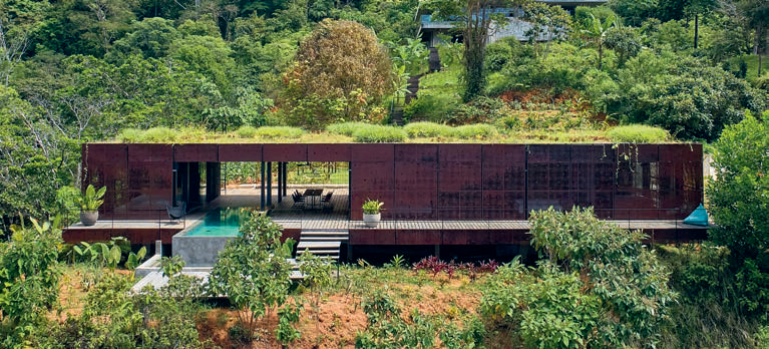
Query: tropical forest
x=480 y=72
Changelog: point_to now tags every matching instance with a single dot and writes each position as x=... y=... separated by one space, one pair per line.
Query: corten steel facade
x=425 y=181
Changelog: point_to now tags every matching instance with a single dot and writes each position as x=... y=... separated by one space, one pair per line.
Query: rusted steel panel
x=504 y=167
x=549 y=153
x=196 y=153
x=416 y=181
x=285 y=152
x=372 y=237
x=294 y=234
x=422 y=153
x=418 y=237
x=240 y=152
x=460 y=153
x=329 y=152
x=372 y=177
x=372 y=152
x=590 y=153
x=150 y=177
x=107 y=165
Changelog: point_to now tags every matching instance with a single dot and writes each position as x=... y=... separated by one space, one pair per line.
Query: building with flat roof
x=434 y=194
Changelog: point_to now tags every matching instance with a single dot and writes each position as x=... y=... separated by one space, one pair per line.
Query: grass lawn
x=752 y=61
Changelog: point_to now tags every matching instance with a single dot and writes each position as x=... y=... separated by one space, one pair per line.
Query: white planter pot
x=372 y=220
x=89 y=218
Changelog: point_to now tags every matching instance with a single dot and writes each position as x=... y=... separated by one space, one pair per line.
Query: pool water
x=219 y=222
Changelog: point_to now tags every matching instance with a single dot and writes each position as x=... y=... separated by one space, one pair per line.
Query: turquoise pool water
x=218 y=222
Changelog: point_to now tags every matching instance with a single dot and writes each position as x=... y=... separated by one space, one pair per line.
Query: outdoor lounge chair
x=176 y=213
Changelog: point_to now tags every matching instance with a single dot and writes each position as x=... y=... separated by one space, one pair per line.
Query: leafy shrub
x=387 y=329
x=762 y=83
x=276 y=132
x=378 y=134
x=345 y=128
x=480 y=131
x=638 y=134
x=428 y=107
x=497 y=55
x=509 y=123
x=246 y=132
x=599 y=286
x=427 y=129
x=482 y=109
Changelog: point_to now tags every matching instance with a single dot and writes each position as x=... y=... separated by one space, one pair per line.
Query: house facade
x=431 y=30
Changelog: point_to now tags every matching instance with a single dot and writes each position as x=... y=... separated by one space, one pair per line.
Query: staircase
x=412 y=88
x=322 y=243
x=434 y=61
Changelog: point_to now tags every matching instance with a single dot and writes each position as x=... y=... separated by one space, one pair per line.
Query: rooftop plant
x=638 y=134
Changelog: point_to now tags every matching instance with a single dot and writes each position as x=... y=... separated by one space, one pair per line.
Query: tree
x=596 y=31
x=342 y=70
x=697 y=8
x=252 y=270
x=475 y=19
x=756 y=14
x=737 y=194
x=625 y=41
x=598 y=286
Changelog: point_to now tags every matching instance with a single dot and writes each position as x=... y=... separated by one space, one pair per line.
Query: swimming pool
x=220 y=222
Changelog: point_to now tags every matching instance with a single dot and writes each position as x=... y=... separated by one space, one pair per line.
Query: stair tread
x=317 y=251
x=318 y=244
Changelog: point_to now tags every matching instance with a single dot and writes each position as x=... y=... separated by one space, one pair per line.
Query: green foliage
x=274 y=132
x=736 y=195
x=112 y=317
x=479 y=131
x=430 y=107
x=252 y=270
x=387 y=329
x=378 y=134
x=91 y=200
x=599 y=286
x=345 y=128
x=638 y=134
x=29 y=280
x=342 y=73
x=372 y=206
x=288 y=317
x=427 y=129
x=171 y=266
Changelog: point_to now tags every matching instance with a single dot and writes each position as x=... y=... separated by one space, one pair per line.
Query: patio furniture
x=313 y=196
x=177 y=212
x=327 y=204
x=298 y=200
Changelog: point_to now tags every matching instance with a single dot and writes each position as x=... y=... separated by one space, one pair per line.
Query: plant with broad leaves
x=91 y=200
x=597 y=287
x=317 y=276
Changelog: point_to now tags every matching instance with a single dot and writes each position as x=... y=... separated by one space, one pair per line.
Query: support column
x=280 y=182
x=261 y=184
x=285 y=178
x=438 y=251
x=269 y=184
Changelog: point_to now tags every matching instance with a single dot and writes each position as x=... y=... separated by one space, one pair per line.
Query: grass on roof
x=422 y=132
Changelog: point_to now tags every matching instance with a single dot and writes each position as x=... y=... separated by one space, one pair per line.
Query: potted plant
x=371 y=215
x=89 y=203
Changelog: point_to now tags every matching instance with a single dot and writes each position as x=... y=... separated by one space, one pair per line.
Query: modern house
x=437 y=197
x=516 y=27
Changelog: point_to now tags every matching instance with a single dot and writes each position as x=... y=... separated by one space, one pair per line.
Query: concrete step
x=318 y=245
x=298 y=252
x=326 y=232
x=324 y=238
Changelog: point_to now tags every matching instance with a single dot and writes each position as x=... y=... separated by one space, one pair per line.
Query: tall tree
x=698 y=8
x=476 y=19
x=341 y=73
